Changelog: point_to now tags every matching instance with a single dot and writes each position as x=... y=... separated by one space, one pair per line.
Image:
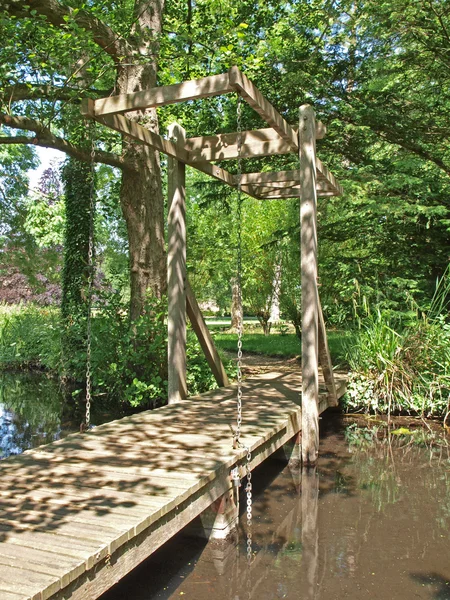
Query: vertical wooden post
x=308 y=242
x=176 y=273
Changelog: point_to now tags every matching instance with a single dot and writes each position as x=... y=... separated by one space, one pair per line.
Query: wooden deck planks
x=124 y=488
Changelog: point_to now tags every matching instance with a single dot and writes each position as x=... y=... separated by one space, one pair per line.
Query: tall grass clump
x=403 y=365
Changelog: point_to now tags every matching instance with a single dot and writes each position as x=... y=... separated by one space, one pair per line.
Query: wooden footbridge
x=79 y=514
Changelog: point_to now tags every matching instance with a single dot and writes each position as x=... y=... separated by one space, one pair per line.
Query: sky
x=47 y=157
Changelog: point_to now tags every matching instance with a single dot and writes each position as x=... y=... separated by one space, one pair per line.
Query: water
x=34 y=410
x=371 y=522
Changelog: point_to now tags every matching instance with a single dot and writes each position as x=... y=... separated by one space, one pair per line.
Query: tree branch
x=57 y=15
x=46 y=139
x=24 y=91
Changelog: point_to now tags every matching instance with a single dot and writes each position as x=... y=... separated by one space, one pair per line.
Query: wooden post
x=176 y=273
x=308 y=241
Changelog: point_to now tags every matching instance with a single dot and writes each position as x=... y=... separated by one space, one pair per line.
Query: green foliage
x=399 y=366
x=29 y=336
x=128 y=363
x=45 y=211
x=77 y=177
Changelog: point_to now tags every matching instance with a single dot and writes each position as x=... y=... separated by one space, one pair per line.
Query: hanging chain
x=237 y=436
x=90 y=279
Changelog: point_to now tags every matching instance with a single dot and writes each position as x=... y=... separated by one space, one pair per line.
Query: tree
x=56 y=53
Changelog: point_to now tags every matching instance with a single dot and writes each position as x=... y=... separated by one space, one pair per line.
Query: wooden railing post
x=176 y=273
x=308 y=242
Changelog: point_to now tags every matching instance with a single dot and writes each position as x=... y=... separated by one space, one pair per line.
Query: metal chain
x=237 y=436
x=90 y=279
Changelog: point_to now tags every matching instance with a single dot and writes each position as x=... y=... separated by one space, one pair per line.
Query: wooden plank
x=5 y=595
x=23 y=581
x=256 y=100
x=254 y=149
x=286 y=190
x=308 y=242
x=213 y=85
x=273 y=177
x=205 y=338
x=325 y=359
x=65 y=546
x=176 y=272
x=137 y=132
x=255 y=143
x=66 y=500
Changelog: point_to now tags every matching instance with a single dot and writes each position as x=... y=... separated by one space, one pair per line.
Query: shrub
x=402 y=367
x=129 y=364
x=29 y=336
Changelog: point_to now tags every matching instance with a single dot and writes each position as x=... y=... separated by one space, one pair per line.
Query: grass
x=275 y=344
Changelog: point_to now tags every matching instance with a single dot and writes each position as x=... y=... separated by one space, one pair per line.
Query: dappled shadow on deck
x=146 y=460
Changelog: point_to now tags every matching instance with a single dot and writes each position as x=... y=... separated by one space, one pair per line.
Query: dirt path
x=255 y=364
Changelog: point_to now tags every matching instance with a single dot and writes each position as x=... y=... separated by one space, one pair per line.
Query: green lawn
x=281 y=345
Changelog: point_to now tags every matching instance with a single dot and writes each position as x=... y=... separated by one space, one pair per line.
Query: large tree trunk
x=141 y=194
x=143 y=209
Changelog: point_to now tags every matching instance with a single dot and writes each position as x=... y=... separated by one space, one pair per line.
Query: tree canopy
x=376 y=73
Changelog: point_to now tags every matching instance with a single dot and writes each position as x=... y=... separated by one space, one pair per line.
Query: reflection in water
x=30 y=412
x=371 y=522
x=35 y=411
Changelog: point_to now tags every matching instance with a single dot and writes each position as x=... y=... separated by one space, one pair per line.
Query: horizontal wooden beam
x=327 y=181
x=255 y=149
x=272 y=177
x=250 y=93
x=249 y=181
x=292 y=186
x=225 y=145
x=135 y=131
x=166 y=94
x=275 y=194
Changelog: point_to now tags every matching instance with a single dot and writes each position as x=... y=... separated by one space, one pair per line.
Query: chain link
x=237 y=436
x=90 y=279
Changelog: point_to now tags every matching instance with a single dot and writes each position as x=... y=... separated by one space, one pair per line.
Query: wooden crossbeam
x=255 y=143
x=135 y=131
x=167 y=94
x=192 y=154
x=269 y=177
x=253 y=150
x=205 y=87
x=269 y=192
x=262 y=106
